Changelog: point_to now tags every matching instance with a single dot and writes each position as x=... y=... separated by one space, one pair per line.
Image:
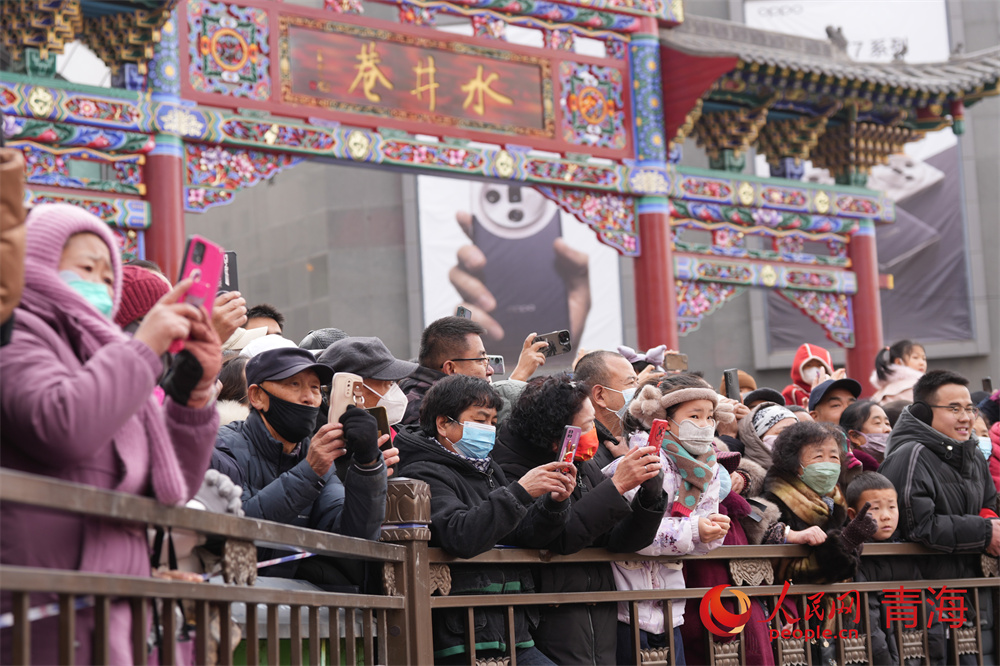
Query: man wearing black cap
x=370 y=359
x=828 y=400
x=286 y=473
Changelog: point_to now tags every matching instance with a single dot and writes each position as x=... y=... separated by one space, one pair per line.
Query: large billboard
x=518 y=263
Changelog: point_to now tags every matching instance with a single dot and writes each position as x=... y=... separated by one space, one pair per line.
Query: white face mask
x=768 y=441
x=697 y=440
x=394 y=401
x=809 y=375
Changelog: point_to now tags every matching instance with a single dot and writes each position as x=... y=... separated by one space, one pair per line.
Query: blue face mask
x=628 y=394
x=985 y=447
x=95 y=294
x=725 y=483
x=477 y=440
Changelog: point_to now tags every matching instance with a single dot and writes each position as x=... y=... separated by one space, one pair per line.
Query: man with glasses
x=454 y=346
x=947 y=500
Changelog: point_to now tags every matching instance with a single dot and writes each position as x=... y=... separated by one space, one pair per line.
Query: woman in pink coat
x=76 y=403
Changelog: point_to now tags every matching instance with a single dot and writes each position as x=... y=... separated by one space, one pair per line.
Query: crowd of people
x=666 y=465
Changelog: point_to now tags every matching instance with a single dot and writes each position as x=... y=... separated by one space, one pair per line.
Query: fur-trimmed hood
x=230 y=410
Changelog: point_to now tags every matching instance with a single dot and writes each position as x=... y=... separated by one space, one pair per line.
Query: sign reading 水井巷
x=359 y=69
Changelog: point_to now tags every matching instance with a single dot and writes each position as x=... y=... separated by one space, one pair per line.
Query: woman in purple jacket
x=76 y=403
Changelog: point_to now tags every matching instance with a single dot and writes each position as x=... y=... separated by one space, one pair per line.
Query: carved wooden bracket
x=752 y=572
x=441 y=579
x=239 y=562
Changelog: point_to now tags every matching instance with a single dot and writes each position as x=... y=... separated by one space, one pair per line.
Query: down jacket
x=284 y=488
x=942 y=486
x=471 y=512
x=600 y=517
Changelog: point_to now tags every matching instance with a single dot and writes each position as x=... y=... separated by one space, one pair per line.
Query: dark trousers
x=647 y=641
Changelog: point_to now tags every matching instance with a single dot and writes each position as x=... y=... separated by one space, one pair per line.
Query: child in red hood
x=810 y=361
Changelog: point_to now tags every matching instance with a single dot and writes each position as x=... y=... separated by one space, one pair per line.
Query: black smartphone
x=496 y=362
x=463 y=312
x=382 y=418
x=516 y=227
x=988 y=385
x=230 y=280
x=558 y=342
x=732 y=383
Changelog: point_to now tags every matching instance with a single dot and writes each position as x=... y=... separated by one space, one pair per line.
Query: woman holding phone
x=77 y=404
x=599 y=514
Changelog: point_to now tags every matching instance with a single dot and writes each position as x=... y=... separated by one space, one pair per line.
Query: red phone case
x=657 y=432
x=207 y=275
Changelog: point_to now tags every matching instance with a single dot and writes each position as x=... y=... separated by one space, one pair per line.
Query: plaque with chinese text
x=359 y=69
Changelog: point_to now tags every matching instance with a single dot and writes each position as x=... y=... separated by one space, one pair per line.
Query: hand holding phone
x=557 y=342
x=203 y=262
x=345 y=390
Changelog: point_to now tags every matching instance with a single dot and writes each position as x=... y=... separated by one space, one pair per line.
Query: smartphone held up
x=203 y=261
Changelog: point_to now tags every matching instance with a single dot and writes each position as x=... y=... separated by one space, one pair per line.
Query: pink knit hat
x=141 y=289
x=49 y=227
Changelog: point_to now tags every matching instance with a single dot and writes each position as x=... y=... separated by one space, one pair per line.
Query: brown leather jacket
x=11 y=230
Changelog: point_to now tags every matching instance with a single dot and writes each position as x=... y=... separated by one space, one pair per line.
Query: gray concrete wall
x=325 y=245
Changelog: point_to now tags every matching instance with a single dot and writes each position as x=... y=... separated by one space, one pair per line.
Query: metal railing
x=396 y=627
x=378 y=612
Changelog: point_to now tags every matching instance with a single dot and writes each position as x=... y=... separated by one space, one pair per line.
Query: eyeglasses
x=956 y=410
x=483 y=360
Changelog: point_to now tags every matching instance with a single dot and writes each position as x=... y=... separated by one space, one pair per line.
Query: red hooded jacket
x=797 y=393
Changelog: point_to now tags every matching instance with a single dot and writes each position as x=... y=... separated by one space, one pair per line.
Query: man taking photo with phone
x=454 y=346
x=288 y=474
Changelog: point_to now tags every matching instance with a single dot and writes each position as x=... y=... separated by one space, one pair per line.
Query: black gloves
x=859 y=530
x=183 y=376
x=651 y=490
x=361 y=434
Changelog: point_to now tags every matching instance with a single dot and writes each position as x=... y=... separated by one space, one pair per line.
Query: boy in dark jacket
x=473 y=508
x=878 y=492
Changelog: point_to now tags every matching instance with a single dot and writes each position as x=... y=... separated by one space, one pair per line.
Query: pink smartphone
x=570 y=440
x=203 y=260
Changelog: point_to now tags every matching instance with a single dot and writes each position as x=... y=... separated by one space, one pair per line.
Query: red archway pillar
x=867 y=307
x=655 y=294
x=655 y=290
x=165 y=194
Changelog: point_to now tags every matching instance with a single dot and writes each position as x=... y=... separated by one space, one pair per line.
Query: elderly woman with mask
x=77 y=404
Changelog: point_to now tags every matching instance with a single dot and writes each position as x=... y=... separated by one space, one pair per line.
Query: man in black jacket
x=474 y=508
x=287 y=474
x=945 y=488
